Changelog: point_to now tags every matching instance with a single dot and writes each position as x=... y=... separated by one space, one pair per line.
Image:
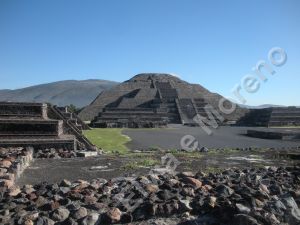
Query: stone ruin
x=272 y=117
x=41 y=126
x=35 y=130
x=42 y=131
x=13 y=161
x=153 y=100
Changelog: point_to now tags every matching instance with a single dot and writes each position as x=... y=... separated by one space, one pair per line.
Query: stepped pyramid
x=272 y=117
x=41 y=126
x=151 y=100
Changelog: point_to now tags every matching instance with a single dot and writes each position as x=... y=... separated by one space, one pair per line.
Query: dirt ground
x=223 y=137
x=111 y=166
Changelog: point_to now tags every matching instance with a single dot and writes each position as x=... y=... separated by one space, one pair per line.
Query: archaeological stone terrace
x=41 y=126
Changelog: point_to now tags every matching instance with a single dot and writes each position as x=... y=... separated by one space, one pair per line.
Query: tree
x=72 y=108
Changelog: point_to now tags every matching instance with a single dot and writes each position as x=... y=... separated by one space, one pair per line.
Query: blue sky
x=212 y=43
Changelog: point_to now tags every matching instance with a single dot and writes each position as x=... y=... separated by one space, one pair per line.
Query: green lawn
x=109 y=139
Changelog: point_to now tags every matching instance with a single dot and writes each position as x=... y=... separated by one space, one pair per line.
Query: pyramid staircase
x=134 y=111
x=73 y=118
x=166 y=108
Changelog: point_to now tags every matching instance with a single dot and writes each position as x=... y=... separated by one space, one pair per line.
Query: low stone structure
x=153 y=100
x=279 y=134
x=13 y=161
x=285 y=116
x=41 y=126
x=272 y=117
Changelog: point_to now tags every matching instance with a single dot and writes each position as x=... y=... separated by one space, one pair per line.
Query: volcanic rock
x=113 y=216
x=223 y=198
x=224 y=190
x=80 y=213
x=245 y=220
x=195 y=182
x=60 y=214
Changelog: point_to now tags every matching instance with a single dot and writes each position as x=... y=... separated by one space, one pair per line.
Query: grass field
x=111 y=140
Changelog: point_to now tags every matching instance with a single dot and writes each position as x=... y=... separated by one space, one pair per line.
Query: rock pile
x=55 y=153
x=249 y=196
x=12 y=163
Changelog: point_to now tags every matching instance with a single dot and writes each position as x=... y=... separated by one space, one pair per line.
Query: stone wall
x=10 y=109
x=30 y=127
x=13 y=161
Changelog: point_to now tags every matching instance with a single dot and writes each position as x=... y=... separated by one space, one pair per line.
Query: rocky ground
x=109 y=166
x=54 y=153
x=235 y=196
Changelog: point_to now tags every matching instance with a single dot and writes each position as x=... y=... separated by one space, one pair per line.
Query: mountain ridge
x=77 y=92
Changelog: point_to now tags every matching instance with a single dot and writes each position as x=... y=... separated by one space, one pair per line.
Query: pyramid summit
x=152 y=100
x=155 y=76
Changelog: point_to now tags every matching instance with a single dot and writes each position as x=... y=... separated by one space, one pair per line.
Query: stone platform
x=273 y=133
x=66 y=142
x=272 y=117
x=41 y=126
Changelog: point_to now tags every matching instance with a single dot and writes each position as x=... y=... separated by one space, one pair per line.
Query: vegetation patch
x=193 y=155
x=149 y=162
x=211 y=169
x=223 y=151
x=111 y=140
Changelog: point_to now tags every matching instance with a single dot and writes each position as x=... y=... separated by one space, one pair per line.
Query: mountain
x=264 y=106
x=77 y=92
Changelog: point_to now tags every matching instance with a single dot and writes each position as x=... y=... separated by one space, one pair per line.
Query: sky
x=211 y=43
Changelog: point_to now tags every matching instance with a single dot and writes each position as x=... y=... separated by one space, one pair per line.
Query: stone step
x=127 y=113
x=285 y=116
x=127 y=110
x=289 y=109
x=106 y=116
x=27 y=127
x=15 y=109
x=198 y=105
x=283 y=123
x=100 y=120
x=199 y=100
x=273 y=134
x=281 y=118
x=66 y=141
x=86 y=154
